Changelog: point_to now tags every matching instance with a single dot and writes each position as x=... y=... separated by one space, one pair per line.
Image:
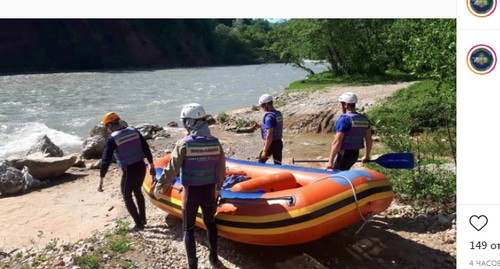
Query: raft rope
x=369 y=217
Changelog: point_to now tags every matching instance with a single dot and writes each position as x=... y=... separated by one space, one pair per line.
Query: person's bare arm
x=368 y=146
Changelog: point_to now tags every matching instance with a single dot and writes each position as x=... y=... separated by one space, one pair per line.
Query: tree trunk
x=308 y=70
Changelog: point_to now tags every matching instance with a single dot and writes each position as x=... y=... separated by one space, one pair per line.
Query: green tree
x=427 y=47
x=291 y=42
x=353 y=46
x=424 y=48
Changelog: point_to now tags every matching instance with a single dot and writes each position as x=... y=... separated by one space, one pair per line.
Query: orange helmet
x=110 y=117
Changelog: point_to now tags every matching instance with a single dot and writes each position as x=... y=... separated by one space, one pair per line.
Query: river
x=65 y=106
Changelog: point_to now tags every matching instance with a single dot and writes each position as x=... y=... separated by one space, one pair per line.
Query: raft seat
x=267 y=183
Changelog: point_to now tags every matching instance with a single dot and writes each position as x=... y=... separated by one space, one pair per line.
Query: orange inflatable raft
x=285 y=205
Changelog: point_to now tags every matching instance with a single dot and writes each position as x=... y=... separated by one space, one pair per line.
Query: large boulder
x=42 y=167
x=149 y=131
x=94 y=145
x=30 y=182
x=11 y=179
x=45 y=146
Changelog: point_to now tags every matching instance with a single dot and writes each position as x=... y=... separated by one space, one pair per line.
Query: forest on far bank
x=422 y=47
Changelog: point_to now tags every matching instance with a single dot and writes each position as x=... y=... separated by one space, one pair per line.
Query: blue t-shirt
x=343 y=124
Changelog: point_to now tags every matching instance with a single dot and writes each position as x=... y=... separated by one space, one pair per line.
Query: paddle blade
x=396 y=160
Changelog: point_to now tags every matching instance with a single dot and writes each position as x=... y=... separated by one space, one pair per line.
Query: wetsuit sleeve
x=107 y=155
x=171 y=170
x=145 y=148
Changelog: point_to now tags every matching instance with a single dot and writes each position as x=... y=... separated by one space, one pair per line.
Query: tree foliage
x=424 y=48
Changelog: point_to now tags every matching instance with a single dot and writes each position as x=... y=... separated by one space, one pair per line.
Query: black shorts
x=346 y=160
x=275 y=150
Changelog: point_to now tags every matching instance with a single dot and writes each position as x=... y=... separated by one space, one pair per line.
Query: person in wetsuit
x=130 y=150
x=199 y=158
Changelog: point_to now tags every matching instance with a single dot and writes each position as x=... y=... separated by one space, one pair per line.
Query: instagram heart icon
x=478 y=222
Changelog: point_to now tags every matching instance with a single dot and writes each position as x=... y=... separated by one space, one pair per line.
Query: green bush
x=424 y=105
x=87 y=262
x=437 y=186
x=122 y=227
x=420 y=119
x=222 y=117
x=120 y=245
x=327 y=79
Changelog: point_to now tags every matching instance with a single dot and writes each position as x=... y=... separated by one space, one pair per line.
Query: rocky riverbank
x=402 y=237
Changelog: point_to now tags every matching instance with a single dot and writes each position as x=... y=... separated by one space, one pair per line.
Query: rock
x=42 y=167
x=148 y=130
x=80 y=162
x=94 y=145
x=172 y=124
x=161 y=135
x=96 y=165
x=210 y=120
x=29 y=181
x=99 y=130
x=11 y=179
x=45 y=146
x=244 y=130
x=443 y=220
x=445 y=167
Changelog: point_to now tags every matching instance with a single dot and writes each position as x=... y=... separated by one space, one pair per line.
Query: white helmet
x=265 y=98
x=349 y=98
x=193 y=111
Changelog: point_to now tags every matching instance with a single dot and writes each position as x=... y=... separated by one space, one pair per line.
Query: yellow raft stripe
x=165 y=206
x=307 y=224
x=284 y=229
x=303 y=210
x=286 y=215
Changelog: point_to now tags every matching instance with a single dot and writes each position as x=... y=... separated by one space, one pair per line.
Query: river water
x=65 y=106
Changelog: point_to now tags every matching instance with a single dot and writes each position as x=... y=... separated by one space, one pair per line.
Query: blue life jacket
x=277 y=130
x=129 y=148
x=201 y=165
x=353 y=138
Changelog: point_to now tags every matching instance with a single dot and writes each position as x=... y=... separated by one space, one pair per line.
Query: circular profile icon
x=481 y=8
x=481 y=59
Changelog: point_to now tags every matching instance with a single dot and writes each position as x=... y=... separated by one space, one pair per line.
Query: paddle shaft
x=312 y=161
x=389 y=160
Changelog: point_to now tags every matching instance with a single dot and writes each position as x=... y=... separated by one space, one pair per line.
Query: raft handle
x=291 y=200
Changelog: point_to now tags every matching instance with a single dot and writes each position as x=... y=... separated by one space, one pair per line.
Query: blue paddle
x=403 y=160
x=396 y=160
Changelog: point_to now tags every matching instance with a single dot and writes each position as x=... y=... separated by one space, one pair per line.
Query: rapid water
x=65 y=106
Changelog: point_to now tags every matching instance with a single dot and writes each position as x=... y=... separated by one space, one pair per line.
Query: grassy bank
x=420 y=119
x=327 y=79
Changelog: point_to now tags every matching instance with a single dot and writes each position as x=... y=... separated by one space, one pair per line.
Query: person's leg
x=137 y=172
x=126 y=189
x=189 y=211
x=277 y=151
x=346 y=159
x=208 y=207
